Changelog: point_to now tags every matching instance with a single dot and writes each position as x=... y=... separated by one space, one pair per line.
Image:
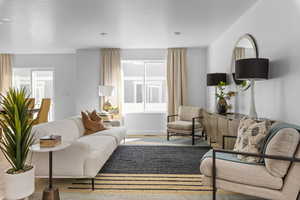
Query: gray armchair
x=187 y=122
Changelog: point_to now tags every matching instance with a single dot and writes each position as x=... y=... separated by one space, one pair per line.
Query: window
x=144 y=86
x=39 y=84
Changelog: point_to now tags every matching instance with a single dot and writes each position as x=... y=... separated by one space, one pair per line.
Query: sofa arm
x=169 y=116
x=68 y=162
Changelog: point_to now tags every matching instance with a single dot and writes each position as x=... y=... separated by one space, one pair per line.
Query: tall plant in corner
x=15 y=143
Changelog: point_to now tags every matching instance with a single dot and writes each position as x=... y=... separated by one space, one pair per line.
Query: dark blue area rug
x=155 y=160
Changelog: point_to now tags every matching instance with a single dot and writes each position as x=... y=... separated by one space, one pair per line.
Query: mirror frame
x=254 y=45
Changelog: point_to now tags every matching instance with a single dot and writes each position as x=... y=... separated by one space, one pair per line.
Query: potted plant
x=222 y=96
x=15 y=142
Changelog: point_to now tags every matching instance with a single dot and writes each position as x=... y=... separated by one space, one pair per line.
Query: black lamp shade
x=252 y=68
x=214 y=79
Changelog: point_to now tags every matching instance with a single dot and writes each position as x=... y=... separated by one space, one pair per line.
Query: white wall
x=275 y=25
x=87 y=79
x=64 y=78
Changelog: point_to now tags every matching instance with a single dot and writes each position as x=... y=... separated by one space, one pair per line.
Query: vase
x=19 y=186
x=222 y=106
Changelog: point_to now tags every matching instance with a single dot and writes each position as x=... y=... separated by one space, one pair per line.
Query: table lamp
x=106 y=91
x=213 y=79
x=252 y=69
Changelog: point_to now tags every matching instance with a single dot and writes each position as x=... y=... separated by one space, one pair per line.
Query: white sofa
x=86 y=155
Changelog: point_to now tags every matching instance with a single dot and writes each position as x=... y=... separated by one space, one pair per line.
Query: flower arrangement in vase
x=223 y=97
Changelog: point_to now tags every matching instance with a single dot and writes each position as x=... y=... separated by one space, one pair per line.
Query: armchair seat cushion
x=183 y=125
x=242 y=173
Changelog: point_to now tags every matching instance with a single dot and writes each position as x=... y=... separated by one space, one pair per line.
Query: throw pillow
x=253 y=140
x=90 y=125
x=241 y=139
x=95 y=117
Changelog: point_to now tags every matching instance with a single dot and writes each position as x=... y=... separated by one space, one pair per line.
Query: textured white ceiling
x=66 y=25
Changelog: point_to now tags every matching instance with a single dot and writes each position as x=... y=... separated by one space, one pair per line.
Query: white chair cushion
x=183 y=125
x=248 y=174
x=187 y=113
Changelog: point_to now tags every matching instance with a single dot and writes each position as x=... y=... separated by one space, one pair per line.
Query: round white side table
x=50 y=193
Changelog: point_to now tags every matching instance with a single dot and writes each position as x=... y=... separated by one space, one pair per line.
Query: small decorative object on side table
x=50 y=193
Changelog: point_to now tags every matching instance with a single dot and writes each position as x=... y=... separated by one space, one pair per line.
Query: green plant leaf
x=16 y=125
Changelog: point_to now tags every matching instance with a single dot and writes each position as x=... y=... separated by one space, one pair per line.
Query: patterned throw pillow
x=253 y=139
x=241 y=139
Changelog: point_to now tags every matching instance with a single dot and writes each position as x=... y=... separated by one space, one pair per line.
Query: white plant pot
x=18 y=186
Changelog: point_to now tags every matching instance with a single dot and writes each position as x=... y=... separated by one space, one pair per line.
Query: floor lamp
x=253 y=69
x=213 y=79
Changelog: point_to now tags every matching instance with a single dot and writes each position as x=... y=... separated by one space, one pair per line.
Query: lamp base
x=252 y=112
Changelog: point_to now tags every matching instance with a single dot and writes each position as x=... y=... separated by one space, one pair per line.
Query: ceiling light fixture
x=177 y=33
x=5 y=20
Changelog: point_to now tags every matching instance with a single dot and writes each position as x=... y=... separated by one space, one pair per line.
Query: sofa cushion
x=97 y=142
x=186 y=113
x=66 y=128
x=248 y=174
x=118 y=133
x=101 y=147
x=284 y=143
x=183 y=125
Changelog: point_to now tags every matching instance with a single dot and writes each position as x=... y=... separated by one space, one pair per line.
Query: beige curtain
x=176 y=79
x=112 y=75
x=5 y=72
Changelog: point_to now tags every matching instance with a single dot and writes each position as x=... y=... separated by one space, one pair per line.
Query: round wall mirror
x=245 y=47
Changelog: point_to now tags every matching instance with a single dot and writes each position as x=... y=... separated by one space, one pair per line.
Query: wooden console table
x=217 y=126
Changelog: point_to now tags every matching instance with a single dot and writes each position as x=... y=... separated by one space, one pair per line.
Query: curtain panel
x=5 y=72
x=112 y=75
x=176 y=79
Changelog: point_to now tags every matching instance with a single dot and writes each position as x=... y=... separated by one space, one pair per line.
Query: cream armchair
x=278 y=178
x=188 y=122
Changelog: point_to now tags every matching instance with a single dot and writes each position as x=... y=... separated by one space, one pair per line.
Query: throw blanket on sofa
x=272 y=132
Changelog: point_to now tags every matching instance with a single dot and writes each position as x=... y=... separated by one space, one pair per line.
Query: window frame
x=31 y=70
x=144 y=82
